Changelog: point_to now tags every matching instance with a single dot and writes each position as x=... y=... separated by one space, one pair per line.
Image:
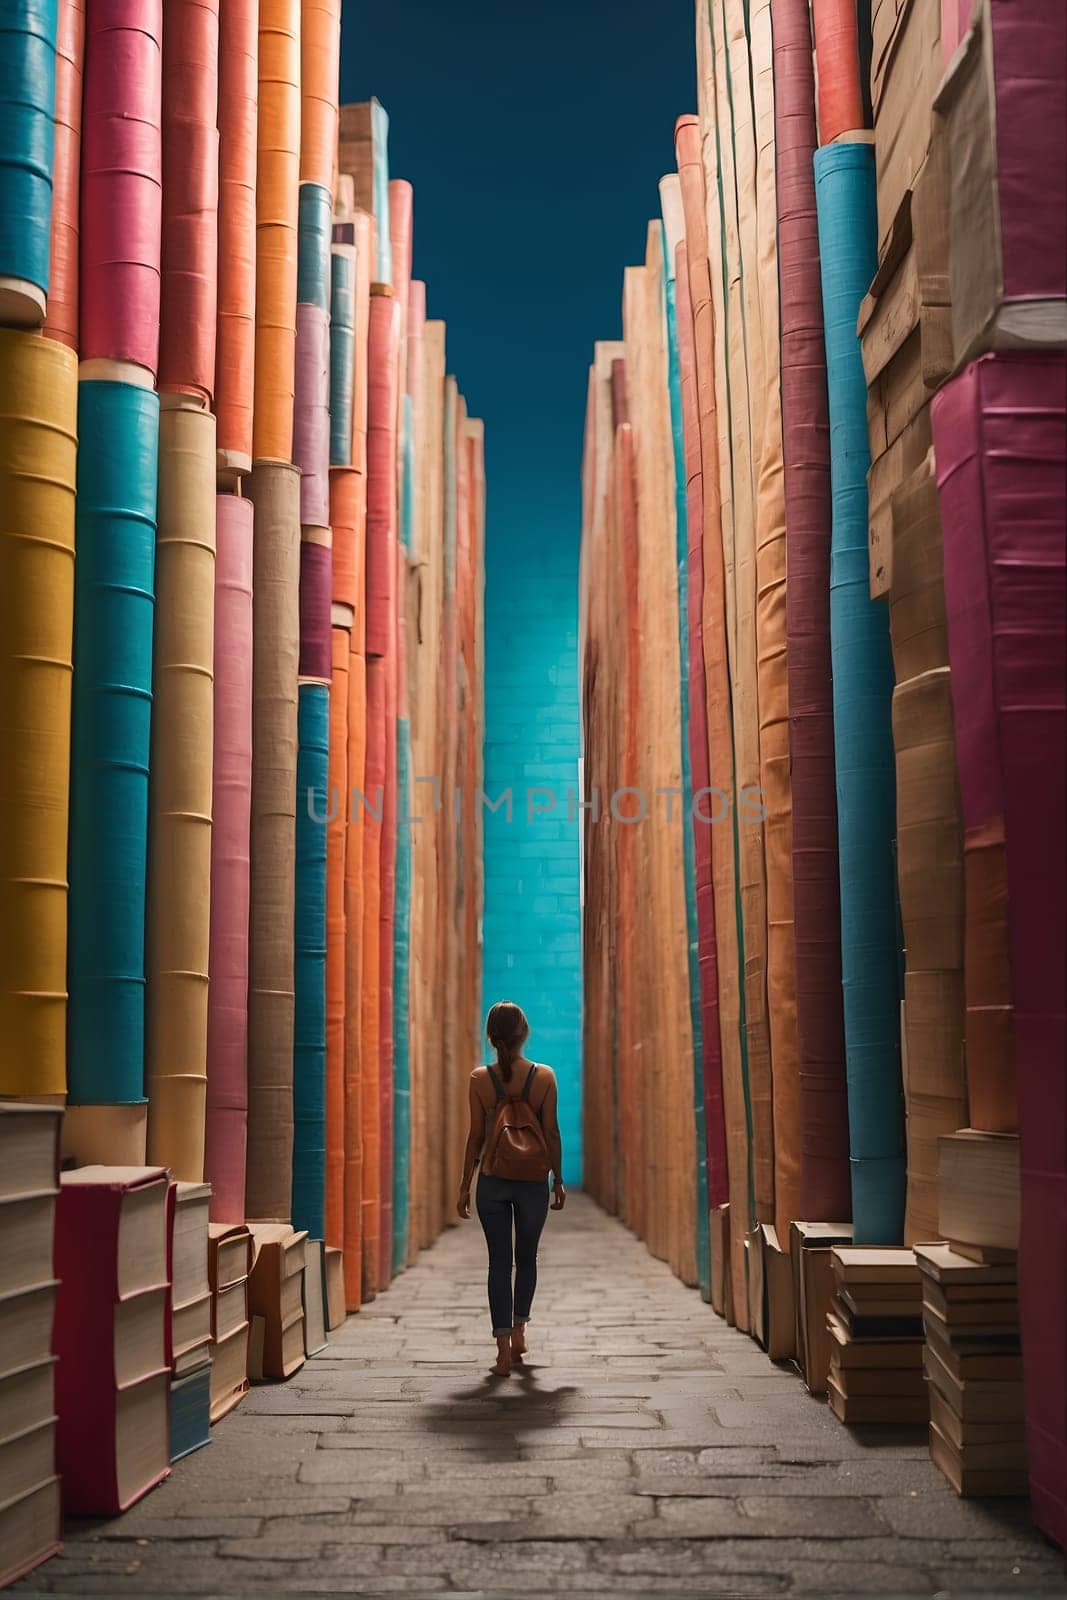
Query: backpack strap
x=497 y=1085
x=529 y=1081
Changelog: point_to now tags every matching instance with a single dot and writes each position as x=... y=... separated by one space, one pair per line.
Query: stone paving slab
x=646 y=1449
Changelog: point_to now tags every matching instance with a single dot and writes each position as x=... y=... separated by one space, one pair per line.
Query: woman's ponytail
x=507 y=1030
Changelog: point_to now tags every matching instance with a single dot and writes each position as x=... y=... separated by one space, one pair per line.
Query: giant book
x=113 y=1377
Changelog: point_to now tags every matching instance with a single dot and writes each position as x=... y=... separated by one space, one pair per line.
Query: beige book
x=985 y=1255
x=191 y=1324
x=896 y=1408
x=27 y=1397
x=757 y=1302
x=857 y=1264
x=229 y=1370
x=781 y=1327
x=26 y=1327
x=968 y=1313
x=29 y=1529
x=721 y=1283
x=995 y=1320
x=229 y=1310
x=859 y=1307
x=280 y=1246
x=902 y=1322
x=290 y=1297
x=228 y=1402
x=27 y=1459
x=336 y=1310
x=189 y=1250
x=197 y=1355
x=985 y=315
x=967 y=1436
x=954 y=1270
x=142 y=1435
x=140 y=1336
x=877 y=1381
x=975 y=1399
x=229 y=1254
x=291 y=1347
x=978 y=1188
x=314 y=1306
x=27 y=1232
x=29 y=1148
x=876 y=1353
x=810 y=1244
x=275 y=1292
x=257 y=1338
x=901 y=1295
x=979 y=1358
x=968 y=1480
x=967 y=1294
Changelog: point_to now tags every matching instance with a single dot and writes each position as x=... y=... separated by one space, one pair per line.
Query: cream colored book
x=229 y=1310
x=978 y=1188
x=29 y=1529
x=26 y=1327
x=27 y=1397
x=140 y=1336
x=969 y=1480
x=29 y=1148
x=27 y=1459
x=27 y=1233
x=866 y=1264
x=142 y=1436
x=229 y=1371
x=191 y=1324
x=189 y=1242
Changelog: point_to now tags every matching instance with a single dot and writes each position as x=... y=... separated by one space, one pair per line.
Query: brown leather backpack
x=516 y=1147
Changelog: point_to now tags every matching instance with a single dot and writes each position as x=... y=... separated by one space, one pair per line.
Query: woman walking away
x=515 y=1135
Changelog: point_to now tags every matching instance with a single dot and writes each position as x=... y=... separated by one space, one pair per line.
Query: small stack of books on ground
x=29 y=1487
x=113 y=1376
x=229 y=1263
x=974 y=1371
x=276 y=1298
x=190 y=1324
x=876 y=1331
x=810 y=1245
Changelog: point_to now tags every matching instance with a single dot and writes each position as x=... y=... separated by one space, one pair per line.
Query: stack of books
x=29 y=1487
x=336 y=1310
x=974 y=1371
x=229 y=1264
x=111 y=1337
x=876 y=1330
x=190 y=1318
x=276 y=1296
x=810 y=1244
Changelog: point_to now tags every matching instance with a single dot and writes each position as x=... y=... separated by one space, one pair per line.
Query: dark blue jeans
x=507 y=1208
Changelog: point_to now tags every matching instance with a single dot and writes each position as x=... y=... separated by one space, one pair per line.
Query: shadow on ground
x=490 y=1419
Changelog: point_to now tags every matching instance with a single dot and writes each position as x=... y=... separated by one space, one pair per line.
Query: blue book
x=190 y=1412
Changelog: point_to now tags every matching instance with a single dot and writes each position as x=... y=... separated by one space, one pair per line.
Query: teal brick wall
x=532 y=929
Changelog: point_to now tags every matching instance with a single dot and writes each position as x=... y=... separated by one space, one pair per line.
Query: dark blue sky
x=535 y=137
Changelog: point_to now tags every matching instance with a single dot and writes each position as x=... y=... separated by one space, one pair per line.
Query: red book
x=112 y=1381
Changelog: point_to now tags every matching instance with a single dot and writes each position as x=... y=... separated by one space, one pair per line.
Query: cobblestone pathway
x=649 y=1449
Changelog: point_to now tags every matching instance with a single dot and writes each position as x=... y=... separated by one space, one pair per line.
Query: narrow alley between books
x=647 y=1448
